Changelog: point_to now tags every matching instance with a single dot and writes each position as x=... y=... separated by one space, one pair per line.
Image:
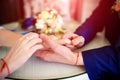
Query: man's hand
x=56 y=52
x=74 y=40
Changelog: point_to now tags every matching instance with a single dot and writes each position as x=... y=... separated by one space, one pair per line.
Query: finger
x=53 y=44
x=72 y=47
x=57 y=48
x=33 y=41
x=36 y=47
x=28 y=37
x=64 y=41
x=78 y=41
x=40 y=53
x=69 y=35
x=37 y=52
x=53 y=37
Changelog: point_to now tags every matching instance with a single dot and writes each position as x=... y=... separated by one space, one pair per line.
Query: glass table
x=35 y=68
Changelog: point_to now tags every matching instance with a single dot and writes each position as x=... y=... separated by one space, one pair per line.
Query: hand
x=57 y=52
x=75 y=40
x=22 y=50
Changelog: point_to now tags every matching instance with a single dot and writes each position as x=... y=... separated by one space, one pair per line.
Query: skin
x=7 y=34
x=49 y=48
x=58 y=52
x=70 y=40
x=76 y=40
x=21 y=51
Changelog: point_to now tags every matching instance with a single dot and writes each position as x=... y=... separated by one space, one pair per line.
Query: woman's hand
x=75 y=40
x=57 y=52
x=22 y=50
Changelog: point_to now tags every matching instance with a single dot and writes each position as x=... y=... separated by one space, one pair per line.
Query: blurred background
x=15 y=10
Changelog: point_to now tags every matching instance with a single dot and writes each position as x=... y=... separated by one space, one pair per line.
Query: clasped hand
x=49 y=48
x=62 y=49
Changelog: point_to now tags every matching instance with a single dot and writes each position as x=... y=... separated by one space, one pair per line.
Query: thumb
x=48 y=41
x=56 y=47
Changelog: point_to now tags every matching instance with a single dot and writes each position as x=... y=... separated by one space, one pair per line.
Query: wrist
x=9 y=63
x=12 y=63
x=79 y=59
x=4 y=69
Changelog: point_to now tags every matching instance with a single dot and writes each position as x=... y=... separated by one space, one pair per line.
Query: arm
x=59 y=53
x=8 y=38
x=102 y=63
x=21 y=51
x=96 y=21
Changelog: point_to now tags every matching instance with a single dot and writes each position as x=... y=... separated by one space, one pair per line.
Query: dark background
x=11 y=10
